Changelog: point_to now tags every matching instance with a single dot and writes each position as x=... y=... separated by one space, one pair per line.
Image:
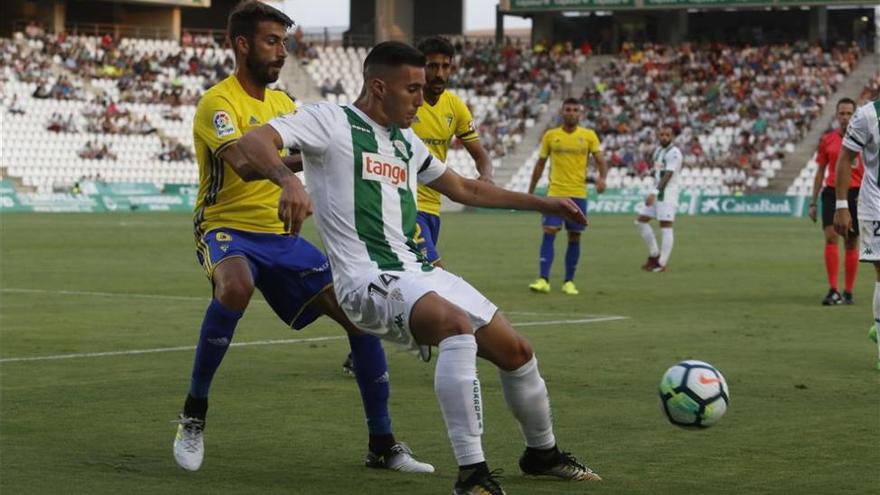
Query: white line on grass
x=270 y=342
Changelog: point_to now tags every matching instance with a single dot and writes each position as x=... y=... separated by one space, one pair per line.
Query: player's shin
x=648 y=236
x=547 y=254
x=666 y=246
x=218 y=327
x=877 y=309
x=371 y=372
x=526 y=395
x=572 y=255
x=458 y=392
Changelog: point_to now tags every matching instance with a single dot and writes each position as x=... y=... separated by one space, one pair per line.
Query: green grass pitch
x=741 y=293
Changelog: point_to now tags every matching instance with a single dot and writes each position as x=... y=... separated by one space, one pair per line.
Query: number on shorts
x=386 y=279
x=876 y=228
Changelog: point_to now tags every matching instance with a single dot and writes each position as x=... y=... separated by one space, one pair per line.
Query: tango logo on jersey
x=391 y=171
x=223 y=124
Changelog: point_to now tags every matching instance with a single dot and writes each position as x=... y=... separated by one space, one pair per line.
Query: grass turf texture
x=741 y=293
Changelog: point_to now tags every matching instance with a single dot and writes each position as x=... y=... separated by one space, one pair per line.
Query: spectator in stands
x=337 y=88
x=14 y=106
x=326 y=87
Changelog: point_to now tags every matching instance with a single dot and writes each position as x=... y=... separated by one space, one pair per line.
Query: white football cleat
x=189 y=443
x=399 y=458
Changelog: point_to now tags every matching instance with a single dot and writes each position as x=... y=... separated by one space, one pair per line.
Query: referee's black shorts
x=829 y=198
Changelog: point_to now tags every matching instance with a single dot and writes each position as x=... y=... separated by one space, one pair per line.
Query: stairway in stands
x=852 y=86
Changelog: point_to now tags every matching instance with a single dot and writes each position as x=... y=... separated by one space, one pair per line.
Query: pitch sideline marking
x=269 y=342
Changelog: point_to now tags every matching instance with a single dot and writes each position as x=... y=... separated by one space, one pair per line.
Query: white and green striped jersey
x=862 y=136
x=667 y=159
x=362 y=178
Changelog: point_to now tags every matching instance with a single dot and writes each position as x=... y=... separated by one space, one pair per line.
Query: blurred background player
x=662 y=202
x=442 y=117
x=862 y=136
x=569 y=148
x=242 y=244
x=826 y=158
x=367 y=221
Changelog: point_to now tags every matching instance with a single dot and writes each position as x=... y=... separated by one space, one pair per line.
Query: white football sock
x=648 y=236
x=526 y=396
x=666 y=246
x=458 y=391
x=877 y=310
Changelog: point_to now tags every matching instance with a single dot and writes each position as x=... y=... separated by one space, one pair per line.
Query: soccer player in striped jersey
x=662 y=202
x=569 y=148
x=442 y=117
x=242 y=244
x=362 y=164
x=862 y=136
x=826 y=159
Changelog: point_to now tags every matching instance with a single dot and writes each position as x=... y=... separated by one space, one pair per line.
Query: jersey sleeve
x=429 y=166
x=545 y=146
x=859 y=131
x=215 y=123
x=673 y=160
x=595 y=144
x=466 y=128
x=308 y=128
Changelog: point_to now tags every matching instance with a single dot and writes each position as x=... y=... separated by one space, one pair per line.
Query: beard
x=260 y=71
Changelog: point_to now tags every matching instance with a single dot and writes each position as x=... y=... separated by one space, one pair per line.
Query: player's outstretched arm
x=483 y=194
x=817 y=186
x=260 y=149
x=243 y=169
x=842 y=218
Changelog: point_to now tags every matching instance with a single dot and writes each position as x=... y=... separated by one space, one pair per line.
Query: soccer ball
x=694 y=394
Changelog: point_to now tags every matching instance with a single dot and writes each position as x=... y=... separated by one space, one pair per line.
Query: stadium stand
x=803 y=183
x=737 y=111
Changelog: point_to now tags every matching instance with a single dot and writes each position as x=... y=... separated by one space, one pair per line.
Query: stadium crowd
x=765 y=97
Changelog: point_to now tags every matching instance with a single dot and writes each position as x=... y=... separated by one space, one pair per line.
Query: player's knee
x=234 y=294
x=574 y=237
x=455 y=322
x=518 y=355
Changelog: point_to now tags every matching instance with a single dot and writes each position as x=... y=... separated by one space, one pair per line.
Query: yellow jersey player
x=442 y=116
x=569 y=148
x=242 y=243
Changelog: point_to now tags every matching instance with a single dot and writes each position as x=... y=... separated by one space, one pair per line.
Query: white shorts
x=869 y=240
x=382 y=303
x=661 y=210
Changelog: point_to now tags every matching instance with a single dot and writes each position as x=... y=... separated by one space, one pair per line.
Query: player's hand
x=294 y=205
x=842 y=222
x=565 y=208
x=812 y=212
x=486 y=178
x=600 y=185
x=650 y=200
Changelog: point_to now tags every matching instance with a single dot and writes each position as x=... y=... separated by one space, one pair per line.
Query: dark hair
x=843 y=101
x=246 y=15
x=393 y=54
x=437 y=44
x=571 y=101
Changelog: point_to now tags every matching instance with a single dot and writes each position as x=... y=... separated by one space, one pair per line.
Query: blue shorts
x=289 y=271
x=556 y=222
x=428 y=235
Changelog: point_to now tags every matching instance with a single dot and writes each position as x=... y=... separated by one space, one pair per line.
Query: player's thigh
x=827 y=199
x=869 y=241
x=573 y=226
x=293 y=274
x=666 y=211
x=499 y=343
x=433 y=319
x=426 y=236
x=225 y=255
x=452 y=307
x=647 y=212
